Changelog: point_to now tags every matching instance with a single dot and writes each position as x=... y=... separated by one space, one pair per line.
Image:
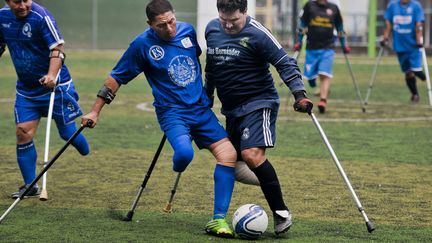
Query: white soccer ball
x=250 y=221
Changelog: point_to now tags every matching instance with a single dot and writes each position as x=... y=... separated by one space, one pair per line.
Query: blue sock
x=312 y=82
x=183 y=152
x=80 y=142
x=223 y=187
x=26 y=156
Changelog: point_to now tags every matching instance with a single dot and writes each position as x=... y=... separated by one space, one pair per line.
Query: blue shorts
x=410 y=61
x=254 y=130
x=199 y=122
x=65 y=110
x=318 y=62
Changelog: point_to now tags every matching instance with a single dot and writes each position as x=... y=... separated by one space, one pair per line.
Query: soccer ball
x=250 y=221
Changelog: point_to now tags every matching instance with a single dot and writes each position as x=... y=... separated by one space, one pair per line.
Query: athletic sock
x=270 y=186
x=312 y=82
x=223 y=187
x=80 y=142
x=26 y=156
x=411 y=83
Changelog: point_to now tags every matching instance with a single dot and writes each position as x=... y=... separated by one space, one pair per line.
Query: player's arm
x=57 y=58
x=341 y=32
x=386 y=34
x=419 y=34
x=105 y=96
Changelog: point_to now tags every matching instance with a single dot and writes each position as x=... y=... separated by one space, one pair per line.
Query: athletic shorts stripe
x=266 y=127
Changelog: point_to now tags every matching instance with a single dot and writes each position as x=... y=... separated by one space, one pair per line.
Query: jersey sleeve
x=275 y=54
x=338 y=20
x=419 y=14
x=50 y=32
x=130 y=65
x=304 y=15
x=388 y=14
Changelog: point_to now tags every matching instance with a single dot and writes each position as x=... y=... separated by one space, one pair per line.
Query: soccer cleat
x=415 y=98
x=322 y=106
x=34 y=191
x=219 y=228
x=282 y=221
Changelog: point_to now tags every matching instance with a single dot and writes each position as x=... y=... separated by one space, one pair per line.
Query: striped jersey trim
x=259 y=26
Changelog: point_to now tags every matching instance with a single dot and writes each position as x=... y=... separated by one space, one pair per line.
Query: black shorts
x=254 y=130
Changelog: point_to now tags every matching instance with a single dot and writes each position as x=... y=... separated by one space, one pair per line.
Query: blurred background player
x=404 y=19
x=168 y=53
x=318 y=20
x=36 y=48
x=239 y=51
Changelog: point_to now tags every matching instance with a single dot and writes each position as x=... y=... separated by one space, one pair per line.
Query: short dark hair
x=157 y=7
x=229 y=6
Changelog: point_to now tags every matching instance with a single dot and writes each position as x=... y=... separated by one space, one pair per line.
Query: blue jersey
x=403 y=19
x=238 y=66
x=171 y=67
x=29 y=41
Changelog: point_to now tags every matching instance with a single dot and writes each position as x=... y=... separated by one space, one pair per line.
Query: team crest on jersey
x=186 y=42
x=182 y=70
x=329 y=12
x=409 y=10
x=244 y=41
x=26 y=30
x=156 y=52
x=246 y=134
x=70 y=106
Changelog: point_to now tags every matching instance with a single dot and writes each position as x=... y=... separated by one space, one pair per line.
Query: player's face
x=405 y=1
x=232 y=22
x=20 y=8
x=165 y=25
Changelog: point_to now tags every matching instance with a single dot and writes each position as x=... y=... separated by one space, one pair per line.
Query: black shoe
x=33 y=192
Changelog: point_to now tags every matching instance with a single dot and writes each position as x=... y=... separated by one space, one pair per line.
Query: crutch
x=428 y=82
x=378 y=60
x=370 y=226
x=44 y=193
x=50 y=163
x=168 y=207
x=355 y=83
x=130 y=214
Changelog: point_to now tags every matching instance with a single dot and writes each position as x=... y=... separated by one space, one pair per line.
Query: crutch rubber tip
x=370 y=226
x=168 y=208
x=129 y=216
x=44 y=195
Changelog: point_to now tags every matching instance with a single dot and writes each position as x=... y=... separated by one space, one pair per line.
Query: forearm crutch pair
x=44 y=193
x=426 y=68
x=44 y=170
x=358 y=94
x=370 y=226
x=371 y=82
x=130 y=214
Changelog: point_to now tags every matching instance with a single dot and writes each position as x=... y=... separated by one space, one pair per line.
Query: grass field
x=386 y=153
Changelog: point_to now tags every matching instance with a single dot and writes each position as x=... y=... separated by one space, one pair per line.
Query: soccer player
x=405 y=18
x=318 y=20
x=36 y=48
x=167 y=53
x=239 y=51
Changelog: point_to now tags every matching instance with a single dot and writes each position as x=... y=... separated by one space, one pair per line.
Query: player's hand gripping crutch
x=130 y=214
x=44 y=170
x=378 y=60
x=44 y=193
x=358 y=94
x=426 y=68
x=168 y=207
x=370 y=226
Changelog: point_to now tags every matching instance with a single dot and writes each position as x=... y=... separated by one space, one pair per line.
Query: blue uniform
x=238 y=66
x=29 y=41
x=173 y=71
x=404 y=19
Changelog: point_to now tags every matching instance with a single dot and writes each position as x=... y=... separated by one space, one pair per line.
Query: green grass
x=388 y=164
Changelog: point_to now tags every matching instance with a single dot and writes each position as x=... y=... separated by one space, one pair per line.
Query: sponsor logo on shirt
x=186 y=42
x=26 y=30
x=70 y=106
x=400 y=19
x=6 y=25
x=156 y=52
x=182 y=70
